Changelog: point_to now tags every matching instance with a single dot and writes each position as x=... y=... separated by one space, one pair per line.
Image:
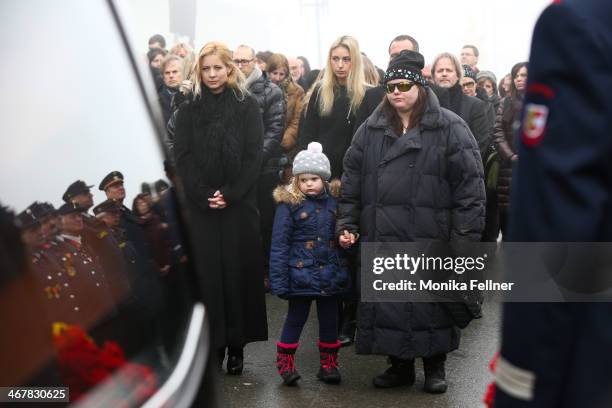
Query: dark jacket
x=506 y=125
x=156 y=235
x=273 y=109
x=218 y=146
x=373 y=97
x=426 y=185
x=165 y=99
x=472 y=110
x=305 y=259
x=333 y=131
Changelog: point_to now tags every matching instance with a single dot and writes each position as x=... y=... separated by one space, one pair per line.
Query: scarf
x=217 y=143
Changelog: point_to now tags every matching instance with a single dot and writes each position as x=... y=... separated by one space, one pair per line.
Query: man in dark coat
x=425 y=185
x=171 y=70
x=273 y=109
x=447 y=75
x=562 y=191
x=146 y=285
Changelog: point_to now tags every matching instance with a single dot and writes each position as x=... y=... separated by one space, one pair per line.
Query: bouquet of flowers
x=83 y=365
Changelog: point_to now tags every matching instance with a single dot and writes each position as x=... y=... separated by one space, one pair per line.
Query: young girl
x=306 y=263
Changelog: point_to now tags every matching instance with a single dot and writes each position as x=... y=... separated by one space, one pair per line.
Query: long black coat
x=219 y=147
x=426 y=185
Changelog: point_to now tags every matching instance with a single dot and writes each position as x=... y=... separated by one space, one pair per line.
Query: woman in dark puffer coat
x=506 y=125
x=413 y=173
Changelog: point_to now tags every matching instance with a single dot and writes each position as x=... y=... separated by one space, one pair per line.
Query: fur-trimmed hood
x=286 y=194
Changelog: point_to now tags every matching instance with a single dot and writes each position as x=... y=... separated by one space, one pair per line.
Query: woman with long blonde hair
x=334 y=102
x=218 y=145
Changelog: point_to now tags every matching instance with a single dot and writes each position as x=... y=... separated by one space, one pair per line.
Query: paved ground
x=260 y=386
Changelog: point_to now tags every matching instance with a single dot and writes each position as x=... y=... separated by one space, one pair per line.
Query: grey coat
x=427 y=184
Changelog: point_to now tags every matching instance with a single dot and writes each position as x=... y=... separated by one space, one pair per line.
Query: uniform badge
x=536 y=113
x=534 y=123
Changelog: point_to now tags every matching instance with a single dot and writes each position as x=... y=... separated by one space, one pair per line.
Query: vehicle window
x=95 y=281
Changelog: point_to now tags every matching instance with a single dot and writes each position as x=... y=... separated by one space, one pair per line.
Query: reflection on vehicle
x=107 y=286
x=97 y=289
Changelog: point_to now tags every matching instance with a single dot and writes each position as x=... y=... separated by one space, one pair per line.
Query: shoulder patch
x=534 y=124
x=536 y=113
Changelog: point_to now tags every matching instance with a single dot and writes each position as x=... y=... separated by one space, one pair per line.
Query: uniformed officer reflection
x=74 y=281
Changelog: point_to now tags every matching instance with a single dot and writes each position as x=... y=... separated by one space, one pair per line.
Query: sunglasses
x=400 y=86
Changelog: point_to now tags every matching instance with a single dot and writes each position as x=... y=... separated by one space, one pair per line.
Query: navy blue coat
x=305 y=258
x=562 y=191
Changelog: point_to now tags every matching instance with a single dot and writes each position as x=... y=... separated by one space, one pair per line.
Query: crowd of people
x=285 y=170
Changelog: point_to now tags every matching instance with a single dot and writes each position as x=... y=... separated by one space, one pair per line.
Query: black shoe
x=435 y=374
x=235 y=364
x=435 y=385
x=401 y=372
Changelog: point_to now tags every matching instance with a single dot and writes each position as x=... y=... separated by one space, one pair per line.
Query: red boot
x=329 y=372
x=285 y=362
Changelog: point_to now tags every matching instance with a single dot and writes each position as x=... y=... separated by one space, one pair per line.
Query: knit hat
x=406 y=65
x=468 y=72
x=312 y=161
x=486 y=74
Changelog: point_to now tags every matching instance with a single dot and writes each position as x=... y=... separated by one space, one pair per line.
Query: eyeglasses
x=243 y=61
x=469 y=85
x=400 y=86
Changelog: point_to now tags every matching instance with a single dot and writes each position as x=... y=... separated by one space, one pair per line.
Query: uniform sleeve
x=562 y=186
x=279 y=250
x=251 y=155
x=349 y=203
x=466 y=178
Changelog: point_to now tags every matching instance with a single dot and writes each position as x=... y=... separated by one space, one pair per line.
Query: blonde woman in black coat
x=218 y=153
